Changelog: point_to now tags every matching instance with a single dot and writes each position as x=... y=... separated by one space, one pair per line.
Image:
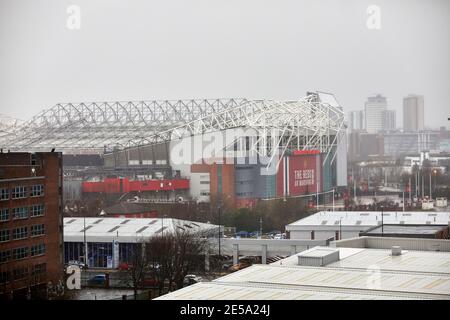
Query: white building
x=107 y=242
x=356 y=120
x=413 y=113
x=374 y=110
x=377 y=116
x=348 y=224
x=354 y=269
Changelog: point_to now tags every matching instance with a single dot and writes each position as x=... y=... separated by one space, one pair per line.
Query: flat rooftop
x=389 y=230
x=370 y=218
x=126 y=230
x=360 y=273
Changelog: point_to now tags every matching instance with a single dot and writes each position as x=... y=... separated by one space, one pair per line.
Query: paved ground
x=100 y=294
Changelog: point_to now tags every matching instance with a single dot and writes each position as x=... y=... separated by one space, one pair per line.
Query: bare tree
x=190 y=250
x=137 y=270
x=174 y=255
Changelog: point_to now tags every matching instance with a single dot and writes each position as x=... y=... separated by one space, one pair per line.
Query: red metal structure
x=125 y=185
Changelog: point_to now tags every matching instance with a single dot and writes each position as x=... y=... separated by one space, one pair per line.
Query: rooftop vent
x=396 y=251
x=318 y=257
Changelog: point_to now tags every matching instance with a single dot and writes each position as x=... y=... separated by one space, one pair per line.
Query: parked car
x=125 y=266
x=77 y=263
x=99 y=279
x=191 y=279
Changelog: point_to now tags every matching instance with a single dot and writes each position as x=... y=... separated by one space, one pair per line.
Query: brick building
x=31 y=233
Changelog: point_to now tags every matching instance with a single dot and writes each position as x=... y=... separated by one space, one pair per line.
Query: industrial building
x=354 y=269
x=106 y=242
x=348 y=224
x=31 y=240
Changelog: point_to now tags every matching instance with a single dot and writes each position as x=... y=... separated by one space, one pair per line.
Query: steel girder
x=93 y=127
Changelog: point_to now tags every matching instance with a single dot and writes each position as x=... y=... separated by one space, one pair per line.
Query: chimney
x=396 y=251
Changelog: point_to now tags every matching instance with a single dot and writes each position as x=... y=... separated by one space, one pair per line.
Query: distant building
x=356 y=120
x=31 y=237
x=378 y=117
x=413 y=113
x=347 y=224
x=389 y=120
x=363 y=145
x=374 y=110
x=397 y=144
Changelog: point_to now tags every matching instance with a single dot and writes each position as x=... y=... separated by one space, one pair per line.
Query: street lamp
x=434 y=173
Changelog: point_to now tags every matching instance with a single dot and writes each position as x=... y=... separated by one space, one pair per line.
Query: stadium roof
x=93 y=127
x=129 y=230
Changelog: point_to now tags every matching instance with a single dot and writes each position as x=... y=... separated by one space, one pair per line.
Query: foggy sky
x=182 y=49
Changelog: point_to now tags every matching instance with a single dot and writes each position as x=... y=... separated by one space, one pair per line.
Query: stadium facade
x=234 y=150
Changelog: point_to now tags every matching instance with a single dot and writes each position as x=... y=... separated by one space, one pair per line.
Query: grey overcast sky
x=173 y=49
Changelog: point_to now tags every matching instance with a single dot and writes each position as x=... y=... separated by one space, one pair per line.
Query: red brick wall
x=49 y=166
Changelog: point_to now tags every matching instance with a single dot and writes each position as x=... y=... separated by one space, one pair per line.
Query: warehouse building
x=107 y=242
x=354 y=269
x=348 y=224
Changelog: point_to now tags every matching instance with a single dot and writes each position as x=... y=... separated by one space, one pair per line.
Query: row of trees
x=167 y=259
x=275 y=214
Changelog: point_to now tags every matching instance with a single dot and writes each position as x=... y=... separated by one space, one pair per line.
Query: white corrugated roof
x=370 y=218
x=361 y=273
x=329 y=277
x=249 y=291
x=127 y=230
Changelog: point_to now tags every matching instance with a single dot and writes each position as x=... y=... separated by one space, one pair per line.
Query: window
x=20 y=213
x=37 y=190
x=20 y=253
x=204 y=182
x=20 y=233
x=5 y=277
x=4 y=194
x=20 y=273
x=4 y=214
x=40 y=268
x=37 y=210
x=19 y=192
x=37 y=250
x=5 y=256
x=4 y=235
x=37 y=230
x=312 y=235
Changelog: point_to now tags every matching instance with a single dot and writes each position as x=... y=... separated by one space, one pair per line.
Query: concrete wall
x=387 y=243
x=323 y=234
